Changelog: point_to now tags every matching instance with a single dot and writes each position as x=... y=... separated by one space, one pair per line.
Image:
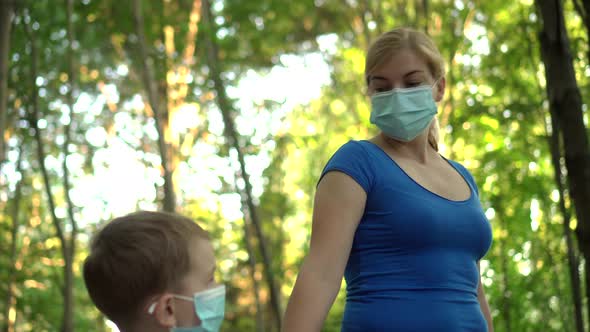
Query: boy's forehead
x=201 y=254
x=202 y=266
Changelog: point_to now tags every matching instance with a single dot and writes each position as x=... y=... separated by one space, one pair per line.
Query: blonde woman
x=401 y=223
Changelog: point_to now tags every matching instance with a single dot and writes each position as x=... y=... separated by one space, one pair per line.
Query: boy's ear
x=164 y=310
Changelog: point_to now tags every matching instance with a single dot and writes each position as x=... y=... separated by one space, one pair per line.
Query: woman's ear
x=440 y=89
x=163 y=311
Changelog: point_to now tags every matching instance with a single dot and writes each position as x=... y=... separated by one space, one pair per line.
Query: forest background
x=227 y=110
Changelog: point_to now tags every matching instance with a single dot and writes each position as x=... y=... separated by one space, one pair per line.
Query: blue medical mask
x=403 y=114
x=209 y=306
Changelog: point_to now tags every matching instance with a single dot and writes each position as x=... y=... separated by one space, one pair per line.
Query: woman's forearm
x=485 y=308
x=310 y=301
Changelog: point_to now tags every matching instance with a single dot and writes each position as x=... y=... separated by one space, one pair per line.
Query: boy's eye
x=381 y=89
x=414 y=84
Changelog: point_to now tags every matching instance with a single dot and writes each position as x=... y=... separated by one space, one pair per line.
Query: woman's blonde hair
x=392 y=42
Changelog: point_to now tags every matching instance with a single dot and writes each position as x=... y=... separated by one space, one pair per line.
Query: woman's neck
x=418 y=149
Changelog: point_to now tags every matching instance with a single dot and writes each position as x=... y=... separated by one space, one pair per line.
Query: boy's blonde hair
x=137 y=256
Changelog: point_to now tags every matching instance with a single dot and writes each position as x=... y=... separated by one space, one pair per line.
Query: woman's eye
x=381 y=89
x=413 y=84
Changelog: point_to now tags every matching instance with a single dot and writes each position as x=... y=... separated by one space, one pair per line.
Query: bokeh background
x=227 y=110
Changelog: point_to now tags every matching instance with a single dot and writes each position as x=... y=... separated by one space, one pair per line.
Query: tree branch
x=67 y=129
x=150 y=86
x=9 y=303
x=6 y=16
x=232 y=141
x=33 y=122
x=565 y=103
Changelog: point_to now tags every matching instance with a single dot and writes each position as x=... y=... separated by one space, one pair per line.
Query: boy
x=153 y=271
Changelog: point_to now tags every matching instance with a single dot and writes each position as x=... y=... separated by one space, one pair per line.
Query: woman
x=400 y=222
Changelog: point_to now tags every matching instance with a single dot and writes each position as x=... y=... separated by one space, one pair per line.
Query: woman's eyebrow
x=373 y=78
x=413 y=72
x=382 y=78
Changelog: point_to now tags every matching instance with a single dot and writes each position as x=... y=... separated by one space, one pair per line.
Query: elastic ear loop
x=436 y=81
x=152 y=308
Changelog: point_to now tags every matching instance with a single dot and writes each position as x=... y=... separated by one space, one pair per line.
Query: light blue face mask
x=403 y=114
x=209 y=307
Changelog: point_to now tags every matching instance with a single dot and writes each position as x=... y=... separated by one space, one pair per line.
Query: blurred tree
x=234 y=143
x=6 y=16
x=565 y=106
x=158 y=108
x=96 y=117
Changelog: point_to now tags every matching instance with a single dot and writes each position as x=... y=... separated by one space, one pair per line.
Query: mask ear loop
x=436 y=82
x=152 y=308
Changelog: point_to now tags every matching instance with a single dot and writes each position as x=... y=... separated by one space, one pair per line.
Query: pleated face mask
x=209 y=307
x=403 y=114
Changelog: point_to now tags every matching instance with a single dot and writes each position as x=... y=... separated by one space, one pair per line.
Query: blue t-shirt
x=413 y=262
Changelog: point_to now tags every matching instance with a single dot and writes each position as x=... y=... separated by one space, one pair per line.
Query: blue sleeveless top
x=413 y=262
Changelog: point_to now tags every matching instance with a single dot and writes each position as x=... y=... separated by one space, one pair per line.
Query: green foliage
x=494 y=120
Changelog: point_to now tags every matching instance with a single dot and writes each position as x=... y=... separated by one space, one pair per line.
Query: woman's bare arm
x=483 y=303
x=338 y=208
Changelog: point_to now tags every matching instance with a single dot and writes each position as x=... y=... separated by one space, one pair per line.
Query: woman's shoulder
x=353 y=159
x=354 y=148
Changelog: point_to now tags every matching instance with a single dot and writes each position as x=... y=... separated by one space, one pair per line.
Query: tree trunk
x=364 y=12
x=565 y=103
x=68 y=292
x=583 y=9
x=571 y=254
x=421 y=18
x=71 y=247
x=426 y=11
x=148 y=77
x=445 y=117
x=252 y=264
x=6 y=15
x=33 y=121
x=233 y=142
x=10 y=302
